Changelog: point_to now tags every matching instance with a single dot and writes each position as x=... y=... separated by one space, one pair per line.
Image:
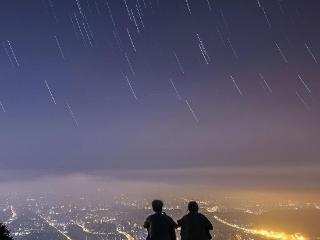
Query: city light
x=265 y=233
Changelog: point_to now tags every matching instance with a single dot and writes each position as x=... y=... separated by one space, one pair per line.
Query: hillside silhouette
x=4 y=233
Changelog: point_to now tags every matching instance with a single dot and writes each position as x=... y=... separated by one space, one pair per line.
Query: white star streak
x=13 y=53
x=188 y=6
x=138 y=5
x=203 y=54
x=209 y=5
x=236 y=85
x=131 y=88
x=178 y=61
x=135 y=22
x=203 y=50
x=224 y=21
x=302 y=101
x=89 y=28
x=140 y=16
x=265 y=82
x=264 y=13
x=72 y=114
x=192 y=112
x=304 y=84
x=79 y=7
x=281 y=53
x=48 y=87
x=125 y=2
x=2 y=107
x=132 y=43
x=232 y=49
x=175 y=89
x=144 y=4
x=266 y=17
x=264 y=89
x=78 y=24
x=311 y=53
x=7 y=52
x=129 y=63
x=59 y=46
x=221 y=36
x=74 y=27
x=53 y=12
x=118 y=41
x=259 y=4
x=97 y=7
x=88 y=37
x=110 y=14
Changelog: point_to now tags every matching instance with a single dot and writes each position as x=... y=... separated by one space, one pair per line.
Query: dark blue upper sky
x=96 y=84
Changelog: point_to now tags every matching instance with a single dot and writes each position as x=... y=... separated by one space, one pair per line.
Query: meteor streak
x=175 y=89
x=265 y=82
x=59 y=46
x=48 y=87
x=131 y=88
x=179 y=63
x=192 y=112
x=72 y=115
x=281 y=53
x=2 y=107
x=236 y=85
x=133 y=46
x=311 y=53
x=13 y=53
x=304 y=84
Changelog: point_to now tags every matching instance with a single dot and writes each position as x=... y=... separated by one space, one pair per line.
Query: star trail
x=142 y=84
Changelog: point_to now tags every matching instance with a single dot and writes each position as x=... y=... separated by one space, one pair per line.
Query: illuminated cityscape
x=122 y=218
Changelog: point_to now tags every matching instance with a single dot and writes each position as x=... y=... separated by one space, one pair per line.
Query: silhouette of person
x=159 y=225
x=194 y=225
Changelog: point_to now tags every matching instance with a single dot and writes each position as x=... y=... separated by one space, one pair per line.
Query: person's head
x=157 y=206
x=193 y=206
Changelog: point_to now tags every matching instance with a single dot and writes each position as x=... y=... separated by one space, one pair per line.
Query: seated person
x=194 y=225
x=159 y=225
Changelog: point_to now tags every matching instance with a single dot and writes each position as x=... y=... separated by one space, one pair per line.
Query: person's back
x=159 y=225
x=194 y=225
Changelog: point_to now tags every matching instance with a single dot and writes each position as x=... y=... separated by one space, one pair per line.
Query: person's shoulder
x=190 y=215
x=170 y=219
x=202 y=215
x=150 y=217
x=183 y=218
x=165 y=216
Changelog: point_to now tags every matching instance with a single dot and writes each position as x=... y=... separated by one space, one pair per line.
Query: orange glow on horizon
x=265 y=233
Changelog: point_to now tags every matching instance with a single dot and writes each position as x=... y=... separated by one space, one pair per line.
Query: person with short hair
x=194 y=225
x=159 y=225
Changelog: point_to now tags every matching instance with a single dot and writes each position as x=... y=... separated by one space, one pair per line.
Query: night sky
x=88 y=85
